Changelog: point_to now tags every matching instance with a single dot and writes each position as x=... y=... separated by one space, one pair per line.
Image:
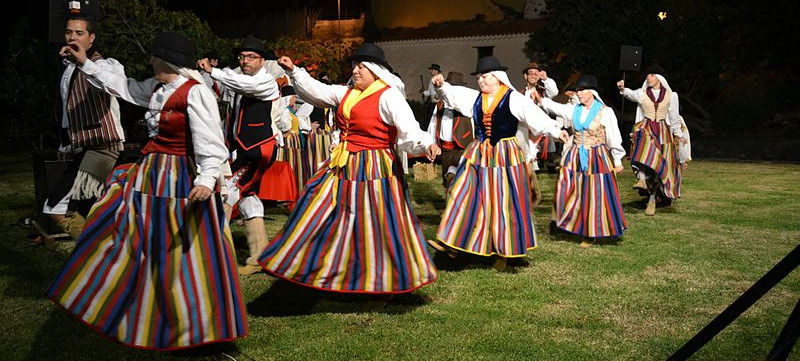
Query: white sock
x=640 y=175
x=653 y=197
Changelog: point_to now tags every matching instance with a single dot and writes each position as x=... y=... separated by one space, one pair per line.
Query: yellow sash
x=340 y=155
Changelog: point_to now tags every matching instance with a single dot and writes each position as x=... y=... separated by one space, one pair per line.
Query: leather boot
x=651 y=208
x=256 y=242
x=73 y=225
x=537 y=191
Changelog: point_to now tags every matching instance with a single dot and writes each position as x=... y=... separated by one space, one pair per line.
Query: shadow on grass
x=284 y=299
x=559 y=235
x=465 y=261
x=429 y=192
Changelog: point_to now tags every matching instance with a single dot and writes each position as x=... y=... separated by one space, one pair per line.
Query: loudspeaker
x=630 y=58
x=59 y=11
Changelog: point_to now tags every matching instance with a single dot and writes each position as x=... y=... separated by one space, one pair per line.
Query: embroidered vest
x=654 y=111
x=594 y=136
x=365 y=129
x=503 y=124
x=174 y=135
x=91 y=123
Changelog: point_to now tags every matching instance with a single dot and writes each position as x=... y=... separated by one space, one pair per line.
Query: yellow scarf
x=340 y=155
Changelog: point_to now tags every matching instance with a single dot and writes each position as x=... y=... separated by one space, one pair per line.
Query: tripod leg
x=788 y=337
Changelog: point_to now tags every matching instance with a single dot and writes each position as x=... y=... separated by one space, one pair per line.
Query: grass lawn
x=638 y=298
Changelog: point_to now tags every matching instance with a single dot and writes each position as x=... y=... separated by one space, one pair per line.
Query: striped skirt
x=654 y=148
x=353 y=230
x=294 y=153
x=587 y=203
x=318 y=149
x=152 y=269
x=489 y=203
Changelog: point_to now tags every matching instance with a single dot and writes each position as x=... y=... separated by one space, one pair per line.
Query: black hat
x=487 y=64
x=585 y=81
x=174 y=48
x=654 y=69
x=254 y=44
x=371 y=53
x=455 y=78
x=435 y=66
x=287 y=90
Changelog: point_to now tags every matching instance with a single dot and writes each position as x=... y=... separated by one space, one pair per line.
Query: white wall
x=411 y=58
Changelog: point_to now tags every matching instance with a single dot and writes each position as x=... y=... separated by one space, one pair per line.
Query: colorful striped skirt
x=587 y=203
x=152 y=269
x=489 y=203
x=294 y=153
x=353 y=230
x=318 y=149
x=654 y=149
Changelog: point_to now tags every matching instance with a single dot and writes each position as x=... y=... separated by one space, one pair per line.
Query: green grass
x=638 y=298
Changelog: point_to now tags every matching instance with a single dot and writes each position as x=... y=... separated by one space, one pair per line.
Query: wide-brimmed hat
x=256 y=45
x=174 y=48
x=371 y=53
x=585 y=81
x=455 y=78
x=531 y=65
x=654 y=69
x=435 y=66
x=487 y=64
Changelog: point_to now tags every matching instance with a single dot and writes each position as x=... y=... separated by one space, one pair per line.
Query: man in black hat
x=537 y=81
x=253 y=132
x=429 y=95
x=452 y=131
x=91 y=132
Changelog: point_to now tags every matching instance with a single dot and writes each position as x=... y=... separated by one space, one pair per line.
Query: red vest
x=365 y=129
x=174 y=135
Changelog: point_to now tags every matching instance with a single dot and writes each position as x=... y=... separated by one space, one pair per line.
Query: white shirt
x=392 y=105
x=204 y=121
x=261 y=86
x=607 y=120
x=431 y=92
x=109 y=64
x=673 y=117
x=446 y=131
x=462 y=99
x=550 y=89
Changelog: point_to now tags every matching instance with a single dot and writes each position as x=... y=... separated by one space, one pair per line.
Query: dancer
x=587 y=201
x=155 y=266
x=489 y=210
x=252 y=133
x=656 y=134
x=91 y=132
x=353 y=228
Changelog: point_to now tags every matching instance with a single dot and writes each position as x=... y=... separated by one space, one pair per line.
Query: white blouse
x=204 y=120
x=393 y=108
x=607 y=119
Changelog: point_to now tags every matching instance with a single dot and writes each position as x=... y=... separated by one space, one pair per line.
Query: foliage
x=128 y=27
x=706 y=48
x=318 y=57
x=29 y=99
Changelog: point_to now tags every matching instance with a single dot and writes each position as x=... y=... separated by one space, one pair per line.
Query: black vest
x=504 y=124
x=255 y=123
